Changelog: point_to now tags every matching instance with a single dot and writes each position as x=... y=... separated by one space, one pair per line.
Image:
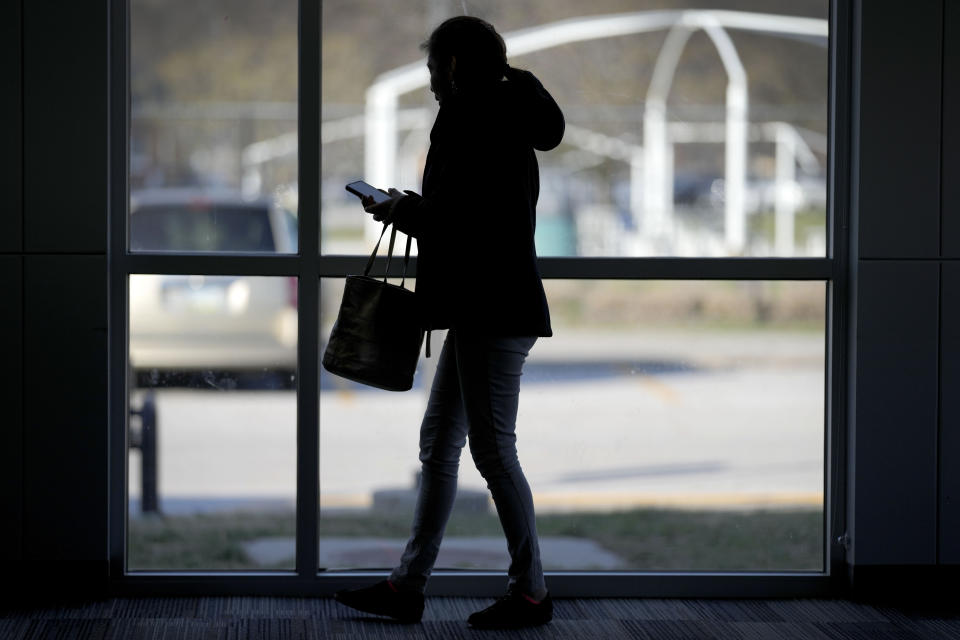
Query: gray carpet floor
x=236 y=618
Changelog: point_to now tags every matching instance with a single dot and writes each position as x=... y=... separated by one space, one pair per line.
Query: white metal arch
x=657 y=194
x=381 y=97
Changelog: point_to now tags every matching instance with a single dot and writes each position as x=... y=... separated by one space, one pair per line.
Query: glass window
x=213 y=132
x=212 y=482
x=698 y=142
x=666 y=425
x=203 y=225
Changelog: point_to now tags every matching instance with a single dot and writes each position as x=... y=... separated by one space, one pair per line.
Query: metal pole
x=784 y=190
x=657 y=191
x=149 y=454
x=735 y=179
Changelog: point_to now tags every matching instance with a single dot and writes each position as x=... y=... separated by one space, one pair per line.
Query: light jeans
x=475 y=392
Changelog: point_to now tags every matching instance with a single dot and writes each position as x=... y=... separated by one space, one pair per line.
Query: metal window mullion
x=118 y=154
x=688 y=268
x=190 y=264
x=841 y=176
x=642 y=584
x=308 y=344
x=550 y=267
x=630 y=268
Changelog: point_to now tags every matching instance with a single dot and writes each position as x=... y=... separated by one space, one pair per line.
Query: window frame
x=309 y=266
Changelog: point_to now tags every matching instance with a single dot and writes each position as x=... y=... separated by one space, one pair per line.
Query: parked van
x=183 y=323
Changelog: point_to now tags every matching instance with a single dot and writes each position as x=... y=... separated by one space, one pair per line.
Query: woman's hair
x=480 y=51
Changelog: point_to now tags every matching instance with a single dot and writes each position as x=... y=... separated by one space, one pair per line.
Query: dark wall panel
x=900 y=130
x=950 y=415
x=895 y=489
x=65 y=126
x=11 y=420
x=11 y=125
x=65 y=421
x=951 y=130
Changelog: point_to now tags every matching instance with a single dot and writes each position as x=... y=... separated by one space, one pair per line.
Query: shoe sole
x=403 y=619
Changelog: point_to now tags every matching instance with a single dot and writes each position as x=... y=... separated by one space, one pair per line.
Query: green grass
x=647 y=539
x=201 y=541
x=806 y=222
x=694 y=305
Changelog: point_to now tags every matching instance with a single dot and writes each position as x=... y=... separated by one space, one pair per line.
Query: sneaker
x=513 y=611
x=384 y=599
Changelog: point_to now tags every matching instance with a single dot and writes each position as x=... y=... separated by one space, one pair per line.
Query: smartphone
x=361 y=189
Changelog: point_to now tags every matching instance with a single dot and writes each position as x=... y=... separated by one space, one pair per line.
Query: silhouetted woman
x=477 y=276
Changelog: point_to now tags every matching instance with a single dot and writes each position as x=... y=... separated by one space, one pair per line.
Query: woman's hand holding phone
x=381 y=210
x=378 y=202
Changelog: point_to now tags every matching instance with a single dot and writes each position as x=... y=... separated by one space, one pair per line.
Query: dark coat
x=474 y=223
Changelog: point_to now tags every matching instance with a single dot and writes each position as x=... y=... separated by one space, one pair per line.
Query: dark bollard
x=146 y=441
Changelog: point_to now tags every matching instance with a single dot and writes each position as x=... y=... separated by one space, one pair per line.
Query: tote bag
x=377 y=336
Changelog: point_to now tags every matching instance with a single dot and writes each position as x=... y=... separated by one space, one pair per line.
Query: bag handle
x=406 y=260
x=406 y=255
x=366 y=269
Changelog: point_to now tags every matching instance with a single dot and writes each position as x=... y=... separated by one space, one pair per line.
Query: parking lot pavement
x=729 y=428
